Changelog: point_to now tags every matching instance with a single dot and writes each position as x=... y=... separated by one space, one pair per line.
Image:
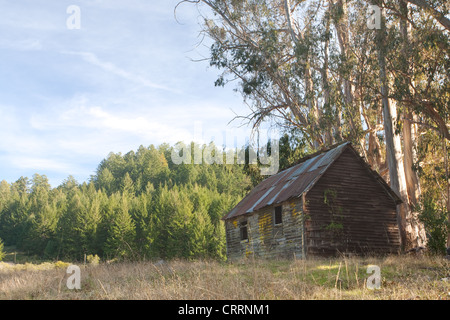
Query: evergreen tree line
x=137 y=206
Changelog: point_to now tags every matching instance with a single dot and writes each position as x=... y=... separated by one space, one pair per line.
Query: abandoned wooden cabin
x=331 y=202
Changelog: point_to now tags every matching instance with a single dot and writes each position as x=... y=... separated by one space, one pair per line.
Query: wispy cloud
x=42 y=164
x=95 y=131
x=113 y=69
x=29 y=44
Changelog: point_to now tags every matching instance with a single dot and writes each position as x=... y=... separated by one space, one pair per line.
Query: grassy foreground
x=402 y=277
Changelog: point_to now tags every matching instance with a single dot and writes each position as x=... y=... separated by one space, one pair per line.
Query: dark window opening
x=278 y=215
x=244 y=231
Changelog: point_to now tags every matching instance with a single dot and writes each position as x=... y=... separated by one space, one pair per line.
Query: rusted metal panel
x=286 y=184
x=296 y=180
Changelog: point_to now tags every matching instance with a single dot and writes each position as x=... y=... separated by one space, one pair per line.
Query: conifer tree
x=144 y=217
x=121 y=231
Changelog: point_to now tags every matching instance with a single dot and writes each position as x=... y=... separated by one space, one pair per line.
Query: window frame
x=243 y=230
x=279 y=214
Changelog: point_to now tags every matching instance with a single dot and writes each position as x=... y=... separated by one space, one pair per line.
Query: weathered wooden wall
x=264 y=238
x=359 y=215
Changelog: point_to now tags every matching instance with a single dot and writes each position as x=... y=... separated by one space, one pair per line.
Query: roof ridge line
x=317 y=153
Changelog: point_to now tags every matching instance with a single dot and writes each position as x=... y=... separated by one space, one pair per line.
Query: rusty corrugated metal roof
x=291 y=183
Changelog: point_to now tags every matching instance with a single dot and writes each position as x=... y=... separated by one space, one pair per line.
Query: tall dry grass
x=403 y=277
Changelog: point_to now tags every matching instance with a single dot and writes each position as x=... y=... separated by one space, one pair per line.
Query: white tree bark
x=409 y=141
x=310 y=100
x=409 y=129
x=416 y=228
x=394 y=156
x=325 y=82
x=410 y=228
x=343 y=35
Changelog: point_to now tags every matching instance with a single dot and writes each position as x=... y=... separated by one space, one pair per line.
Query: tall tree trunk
x=325 y=82
x=416 y=228
x=411 y=231
x=309 y=90
x=337 y=130
x=380 y=161
x=342 y=30
x=409 y=140
x=394 y=159
x=409 y=129
x=373 y=150
x=312 y=107
x=393 y=144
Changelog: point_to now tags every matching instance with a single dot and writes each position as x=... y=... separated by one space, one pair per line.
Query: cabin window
x=244 y=231
x=278 y=217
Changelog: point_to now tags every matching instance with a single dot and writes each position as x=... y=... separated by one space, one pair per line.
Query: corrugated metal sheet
x=295 y=181
x=287 y=184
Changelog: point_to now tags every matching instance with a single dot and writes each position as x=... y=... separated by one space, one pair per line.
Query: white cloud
x=29 y=44
x=135 y=125
x=111 y=68
x=38 y=164
x=31 y=17
x=95 y=131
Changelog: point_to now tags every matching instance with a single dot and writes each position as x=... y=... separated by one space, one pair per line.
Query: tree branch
x=439 y=16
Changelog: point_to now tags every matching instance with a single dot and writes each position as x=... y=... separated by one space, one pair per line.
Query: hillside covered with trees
x=137 y=205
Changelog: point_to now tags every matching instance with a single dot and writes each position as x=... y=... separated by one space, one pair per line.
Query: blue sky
x=125 y=79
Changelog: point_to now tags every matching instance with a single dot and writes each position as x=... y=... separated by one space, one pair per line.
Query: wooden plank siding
x=265 y=239
x=348 y=211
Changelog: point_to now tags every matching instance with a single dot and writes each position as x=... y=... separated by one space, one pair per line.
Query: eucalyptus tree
x=316 y=66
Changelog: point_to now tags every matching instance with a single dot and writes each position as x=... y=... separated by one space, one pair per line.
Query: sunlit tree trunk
x=311 y=103
x=409 y=129
x=409 y=140
x=394 y=158
x=416 y=228
x=342 y=30
x=394 y=155
x=325 y=82
x=411 y=230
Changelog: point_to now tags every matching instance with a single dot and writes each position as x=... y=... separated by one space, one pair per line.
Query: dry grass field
x=402 y=277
